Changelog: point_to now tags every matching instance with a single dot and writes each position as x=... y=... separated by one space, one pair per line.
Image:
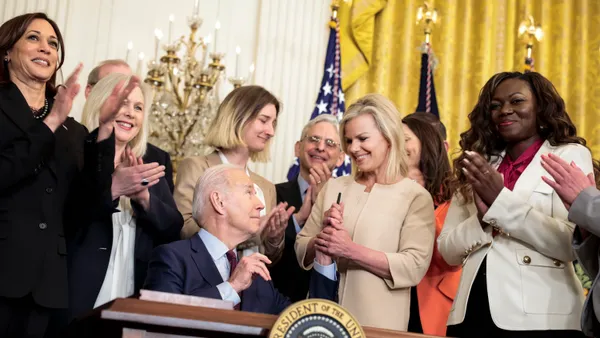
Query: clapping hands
x=130 y=177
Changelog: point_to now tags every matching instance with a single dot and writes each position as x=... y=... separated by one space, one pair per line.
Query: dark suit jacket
x=38 y=169
x=90 y=246
x=289 y=278
x=155 y=154
x=186 y=267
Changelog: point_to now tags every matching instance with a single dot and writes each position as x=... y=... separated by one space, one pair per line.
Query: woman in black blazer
x=112 y=246
x=42 y=155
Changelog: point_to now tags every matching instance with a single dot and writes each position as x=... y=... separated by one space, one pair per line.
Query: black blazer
x=186 y=267
x=155 y=154
x=91 y=244
x=38 y=169
x=289 y=278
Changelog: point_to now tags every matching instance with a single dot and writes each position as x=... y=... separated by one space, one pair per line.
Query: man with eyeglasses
x=319 y=152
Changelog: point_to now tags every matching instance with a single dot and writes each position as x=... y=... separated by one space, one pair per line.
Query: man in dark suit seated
x=206 y=265
x=153 y=153
x=318 y=152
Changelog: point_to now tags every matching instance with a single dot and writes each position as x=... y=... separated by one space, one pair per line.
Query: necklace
x=40 y=114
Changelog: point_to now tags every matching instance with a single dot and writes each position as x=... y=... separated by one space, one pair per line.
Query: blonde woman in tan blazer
x=241 y=131
x=381 y=235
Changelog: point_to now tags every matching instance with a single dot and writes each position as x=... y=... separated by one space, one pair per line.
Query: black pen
x=339 y=199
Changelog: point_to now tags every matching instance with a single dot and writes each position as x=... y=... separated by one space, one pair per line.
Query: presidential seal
x=316 y=318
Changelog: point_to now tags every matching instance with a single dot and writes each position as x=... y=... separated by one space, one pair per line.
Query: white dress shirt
x=119 y=278
x=218 y=250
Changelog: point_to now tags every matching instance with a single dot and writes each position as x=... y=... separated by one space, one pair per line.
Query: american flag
x=331 y=97
x=427 y=98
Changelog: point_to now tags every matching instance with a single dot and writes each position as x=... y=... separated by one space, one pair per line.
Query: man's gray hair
x=213 y=179
x=321 y=118
x=94 y=76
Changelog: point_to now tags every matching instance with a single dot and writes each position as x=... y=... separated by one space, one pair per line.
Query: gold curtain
x=474 y=40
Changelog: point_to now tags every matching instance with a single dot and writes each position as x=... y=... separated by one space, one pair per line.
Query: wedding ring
x=145 y=182
x=61 y=85
x=318 y=182
x=486 y=172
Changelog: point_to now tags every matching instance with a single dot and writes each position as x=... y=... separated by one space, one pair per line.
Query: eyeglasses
x=329 y=143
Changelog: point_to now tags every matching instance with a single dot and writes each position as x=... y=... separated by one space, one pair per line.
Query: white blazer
x=530 y=279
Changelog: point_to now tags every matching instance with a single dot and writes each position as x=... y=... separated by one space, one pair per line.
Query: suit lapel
x=292 y=195
x=204 y=263
x=61 y=144
x=532 y=175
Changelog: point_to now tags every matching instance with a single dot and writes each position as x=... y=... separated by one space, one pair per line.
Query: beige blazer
x=530 y=279
x=188 y=173
x=395 y=219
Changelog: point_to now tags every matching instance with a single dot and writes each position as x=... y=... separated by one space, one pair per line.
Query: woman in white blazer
x=505 y=225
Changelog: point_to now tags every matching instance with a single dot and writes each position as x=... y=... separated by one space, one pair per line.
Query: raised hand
x=569 y=180
x=302 y=214
x=485 y=180
x=247 y=267
x=128 y=177
x=63 y=101
x=318 y=176
x=276 y=222
x=142 y=197
x=112 y=105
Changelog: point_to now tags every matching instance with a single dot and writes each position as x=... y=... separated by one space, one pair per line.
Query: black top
x=38 y=171
x=155 y=154
x=90 y=246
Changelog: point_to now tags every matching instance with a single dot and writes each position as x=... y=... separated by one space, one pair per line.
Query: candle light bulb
x=196 y=7
x=129 y=48
x=207 y=39
x=158 y=34
x=251 y=69
x=217 y=27
x=238 y=50
x=140 y=64
x=171 y=19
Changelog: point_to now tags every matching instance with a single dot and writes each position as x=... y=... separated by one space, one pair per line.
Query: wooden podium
x=134 y=318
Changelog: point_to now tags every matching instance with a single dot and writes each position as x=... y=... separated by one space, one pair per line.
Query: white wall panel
x=290 y=53
x=285 y=39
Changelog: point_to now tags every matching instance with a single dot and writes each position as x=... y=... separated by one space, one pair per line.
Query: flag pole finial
x=529 y=32
x=427 y=16
x=335 y=5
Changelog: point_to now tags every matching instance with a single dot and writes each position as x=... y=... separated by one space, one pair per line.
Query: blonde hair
x=387 y=120
x=100 y=93
x=236 y=111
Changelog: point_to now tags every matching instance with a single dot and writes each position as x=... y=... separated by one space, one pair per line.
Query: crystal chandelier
x=186 y=90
